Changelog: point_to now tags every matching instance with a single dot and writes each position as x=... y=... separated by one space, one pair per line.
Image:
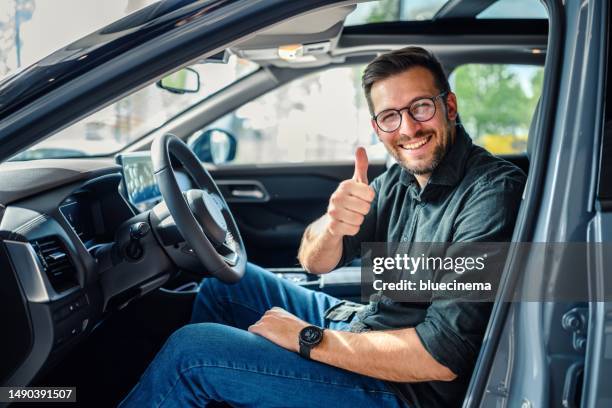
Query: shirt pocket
x=343 y=311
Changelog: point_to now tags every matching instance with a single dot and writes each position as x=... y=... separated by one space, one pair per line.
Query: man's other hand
x=280 y=327
x=351 y=201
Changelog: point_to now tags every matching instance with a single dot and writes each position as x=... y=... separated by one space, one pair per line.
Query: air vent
x=56 y=263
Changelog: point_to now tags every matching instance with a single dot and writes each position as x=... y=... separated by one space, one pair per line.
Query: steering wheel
x=201 y=215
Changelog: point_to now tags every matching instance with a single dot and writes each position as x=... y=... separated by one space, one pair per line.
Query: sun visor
x=299 y=40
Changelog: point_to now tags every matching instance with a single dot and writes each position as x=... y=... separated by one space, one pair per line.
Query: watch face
x=311 y=335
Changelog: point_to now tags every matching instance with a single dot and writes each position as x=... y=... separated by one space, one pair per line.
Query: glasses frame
x=407 y=108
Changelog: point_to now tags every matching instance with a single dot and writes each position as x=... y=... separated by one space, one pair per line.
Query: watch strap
x=305 y=350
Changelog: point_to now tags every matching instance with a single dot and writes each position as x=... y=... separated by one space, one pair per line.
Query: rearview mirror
x=213 y=146
x=186 y=80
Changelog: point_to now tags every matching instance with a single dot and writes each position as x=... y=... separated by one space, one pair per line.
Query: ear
x=451 y=106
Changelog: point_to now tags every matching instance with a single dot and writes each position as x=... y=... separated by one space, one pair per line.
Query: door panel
x=296 y=196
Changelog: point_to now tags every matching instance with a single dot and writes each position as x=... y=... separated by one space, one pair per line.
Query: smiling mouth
x=416 y=145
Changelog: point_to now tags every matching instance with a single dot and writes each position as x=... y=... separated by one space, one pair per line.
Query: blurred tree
x=536 y=86
x=385 y=10
x=421 y=11
x=491 y=100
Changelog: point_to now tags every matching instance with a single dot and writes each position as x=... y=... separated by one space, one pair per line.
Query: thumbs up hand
x=351 y=201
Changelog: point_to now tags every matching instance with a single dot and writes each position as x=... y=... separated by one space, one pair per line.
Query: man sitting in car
x=268 y=342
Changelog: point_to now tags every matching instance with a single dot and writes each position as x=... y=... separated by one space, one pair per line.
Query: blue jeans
x=216 y=359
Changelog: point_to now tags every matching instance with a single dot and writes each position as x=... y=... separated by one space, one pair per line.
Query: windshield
x=125 y=121
x=29 y=29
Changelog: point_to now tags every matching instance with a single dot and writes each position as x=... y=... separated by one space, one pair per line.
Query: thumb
x=361 y=166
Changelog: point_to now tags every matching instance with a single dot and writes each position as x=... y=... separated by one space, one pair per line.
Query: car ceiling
x=454 y=31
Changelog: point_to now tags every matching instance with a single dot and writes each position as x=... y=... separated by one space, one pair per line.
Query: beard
x=437 y=155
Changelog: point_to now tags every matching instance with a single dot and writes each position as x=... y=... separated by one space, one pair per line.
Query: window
x=321 y=117
x=532 y=9
x=125 y=121
x=394 y=10
x=497 y=102
x=423 y=10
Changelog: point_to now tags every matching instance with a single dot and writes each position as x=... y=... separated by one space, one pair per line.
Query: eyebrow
x=416 y=98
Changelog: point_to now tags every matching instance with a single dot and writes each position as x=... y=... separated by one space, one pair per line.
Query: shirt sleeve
x=351 y=245
x=453 y=328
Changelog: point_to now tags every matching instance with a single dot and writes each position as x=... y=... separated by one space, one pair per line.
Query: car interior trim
x=34 y=281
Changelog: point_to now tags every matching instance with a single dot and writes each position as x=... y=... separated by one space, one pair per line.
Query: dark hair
x=398 y=61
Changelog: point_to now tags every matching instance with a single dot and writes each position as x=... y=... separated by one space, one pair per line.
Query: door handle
x=243 y=190
x=255 y=193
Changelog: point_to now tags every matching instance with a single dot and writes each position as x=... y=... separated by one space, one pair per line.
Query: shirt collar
x=450 y=170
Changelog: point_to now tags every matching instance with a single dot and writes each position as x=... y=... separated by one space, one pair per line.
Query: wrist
x=327 y=235
x=330 y=238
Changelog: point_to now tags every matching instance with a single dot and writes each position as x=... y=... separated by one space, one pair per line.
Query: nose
x=409 y=126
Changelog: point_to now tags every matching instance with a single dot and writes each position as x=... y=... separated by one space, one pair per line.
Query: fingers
x=348 y=206
x=270 y=313
x=356 y=189
x=273 y=313
x=357 y=205
x=361 y=166
x=351 y=201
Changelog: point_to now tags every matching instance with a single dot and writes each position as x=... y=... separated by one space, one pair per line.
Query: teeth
x=415 y=145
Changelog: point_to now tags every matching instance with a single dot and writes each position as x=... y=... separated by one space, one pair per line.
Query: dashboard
x=56 y=219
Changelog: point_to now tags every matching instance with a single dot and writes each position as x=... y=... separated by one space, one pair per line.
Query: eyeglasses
x=420 y=110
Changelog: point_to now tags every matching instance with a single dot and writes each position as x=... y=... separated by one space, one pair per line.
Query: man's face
x=417 y=146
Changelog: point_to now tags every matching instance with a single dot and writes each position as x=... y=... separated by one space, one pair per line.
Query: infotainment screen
x=138 y=180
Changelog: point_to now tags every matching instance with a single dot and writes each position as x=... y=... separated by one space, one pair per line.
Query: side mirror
x=186 y=80
x=213 y=146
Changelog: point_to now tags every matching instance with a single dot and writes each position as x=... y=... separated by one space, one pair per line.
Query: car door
x=546 y=347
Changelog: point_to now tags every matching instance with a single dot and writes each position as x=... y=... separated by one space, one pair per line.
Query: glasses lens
x=388 y=120
x=423 y=109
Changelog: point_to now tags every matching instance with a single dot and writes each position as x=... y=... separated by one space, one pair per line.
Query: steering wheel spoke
x=229 y=250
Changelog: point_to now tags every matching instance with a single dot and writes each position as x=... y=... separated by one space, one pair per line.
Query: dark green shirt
x=472 y=196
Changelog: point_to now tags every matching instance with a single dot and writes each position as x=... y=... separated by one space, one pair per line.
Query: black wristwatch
x=309 y=337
